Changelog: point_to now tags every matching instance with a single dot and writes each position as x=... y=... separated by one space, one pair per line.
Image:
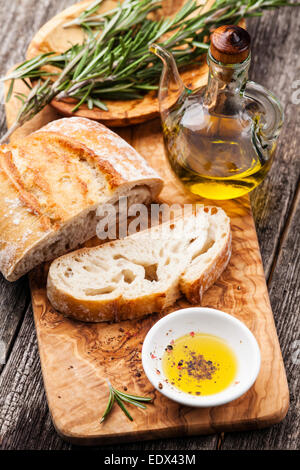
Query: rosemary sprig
x=85 y=14
x=114 y=62
x=88 y=20
x=121 y=397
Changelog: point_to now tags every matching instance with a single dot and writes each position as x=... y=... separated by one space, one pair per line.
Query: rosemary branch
x=121 y=397
x=114 y=62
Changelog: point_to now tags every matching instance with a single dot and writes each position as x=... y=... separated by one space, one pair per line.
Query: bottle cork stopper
x=230 y=44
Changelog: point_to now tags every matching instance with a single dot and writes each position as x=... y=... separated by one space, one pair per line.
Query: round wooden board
x=54 y=37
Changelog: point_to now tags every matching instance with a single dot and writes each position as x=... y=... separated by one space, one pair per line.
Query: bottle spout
x=171 y=86
x=157 y=50
x=170 y=68
x=162 y=53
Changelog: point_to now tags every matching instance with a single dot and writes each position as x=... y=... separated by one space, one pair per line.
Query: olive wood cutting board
x=76 y=357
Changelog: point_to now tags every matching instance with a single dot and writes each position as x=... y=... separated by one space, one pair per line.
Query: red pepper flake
x=172 y=342
x=152 y=356
x=192 y=333
x=157 y=371
x=237 y=382
x=160 y=385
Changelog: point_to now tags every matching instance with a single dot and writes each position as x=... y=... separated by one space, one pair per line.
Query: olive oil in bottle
x=219 y=139
x=218 y=159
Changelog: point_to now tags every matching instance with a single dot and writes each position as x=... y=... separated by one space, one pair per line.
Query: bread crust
x=194 y=291
x=118 y=309
x=51 y=177
x=111 y=310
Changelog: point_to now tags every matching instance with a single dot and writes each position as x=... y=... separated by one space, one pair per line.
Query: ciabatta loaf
x=144 y=272
x=53 y=181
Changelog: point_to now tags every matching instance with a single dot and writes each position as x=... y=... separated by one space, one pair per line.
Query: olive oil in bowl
x=200 y=364
x=201 y=357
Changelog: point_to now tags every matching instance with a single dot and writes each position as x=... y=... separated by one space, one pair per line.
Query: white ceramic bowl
x=202 y=320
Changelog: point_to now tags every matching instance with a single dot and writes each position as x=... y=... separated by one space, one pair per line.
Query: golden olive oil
x=199 y=364
x=216 y=157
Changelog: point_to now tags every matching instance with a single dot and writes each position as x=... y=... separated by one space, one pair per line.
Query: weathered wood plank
x=271 y=203
x=285 y=299
x=184 y=443
x=19 y=21
x=13 y=300
x=25 y=422
x=275 y=64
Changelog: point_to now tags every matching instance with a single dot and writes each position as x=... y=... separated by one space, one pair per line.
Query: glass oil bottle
x=219 y=139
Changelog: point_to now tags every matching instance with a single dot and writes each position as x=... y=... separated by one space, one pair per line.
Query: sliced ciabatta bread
x=53 y=182
x=144 y=272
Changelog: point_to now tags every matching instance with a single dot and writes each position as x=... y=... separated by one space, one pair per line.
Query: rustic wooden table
x=25 y=422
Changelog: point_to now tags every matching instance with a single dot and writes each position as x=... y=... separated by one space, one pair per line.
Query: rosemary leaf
x=10 y=90
x=81 y=64
x=134 y=397
x=123 y=407
x=203 y=45
x=83 y=99
x=120 y=398
x=100 y=105
x=20 y=98
x=110 y=403
x=132 y=402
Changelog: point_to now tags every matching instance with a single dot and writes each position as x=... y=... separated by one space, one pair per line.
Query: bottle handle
x=269 y=107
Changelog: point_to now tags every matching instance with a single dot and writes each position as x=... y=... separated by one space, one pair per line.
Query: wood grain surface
x=76 y=358
x=24 y=417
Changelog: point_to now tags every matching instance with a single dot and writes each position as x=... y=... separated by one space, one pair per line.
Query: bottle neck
x=225 y=79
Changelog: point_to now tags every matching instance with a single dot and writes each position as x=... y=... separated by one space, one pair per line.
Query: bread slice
x=144 y=272
x=52 y=183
